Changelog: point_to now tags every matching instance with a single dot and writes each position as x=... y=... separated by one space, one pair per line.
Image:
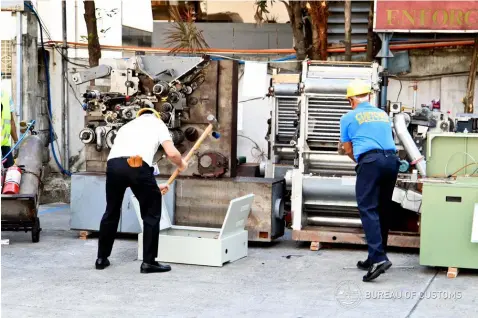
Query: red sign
x=426 y=16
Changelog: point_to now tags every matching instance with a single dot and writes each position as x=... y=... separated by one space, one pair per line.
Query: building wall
x=245 y=9
x=234 y=35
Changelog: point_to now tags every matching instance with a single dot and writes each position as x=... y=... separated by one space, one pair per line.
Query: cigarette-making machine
x=304 y=132
x=185 y=90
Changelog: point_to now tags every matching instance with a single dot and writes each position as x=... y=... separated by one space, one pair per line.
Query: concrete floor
x=56 y=278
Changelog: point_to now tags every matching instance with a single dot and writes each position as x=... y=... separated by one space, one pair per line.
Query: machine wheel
x=36 y=231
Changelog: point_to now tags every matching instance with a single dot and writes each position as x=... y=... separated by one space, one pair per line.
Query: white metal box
x=201 y=245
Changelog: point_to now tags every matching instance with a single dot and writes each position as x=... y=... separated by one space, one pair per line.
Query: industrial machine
x=304 y=132
x=139 y=84
x=185 y=90
x=449 y=213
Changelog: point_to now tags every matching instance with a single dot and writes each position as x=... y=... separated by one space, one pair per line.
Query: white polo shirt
x=140 y=137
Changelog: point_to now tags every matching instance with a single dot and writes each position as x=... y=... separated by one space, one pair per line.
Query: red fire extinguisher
x=12 y=180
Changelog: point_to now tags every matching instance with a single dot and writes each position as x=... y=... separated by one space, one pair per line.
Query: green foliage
x=261 y=14
x=184 y=36
x=100 y=14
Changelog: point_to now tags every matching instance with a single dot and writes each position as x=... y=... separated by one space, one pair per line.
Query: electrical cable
x=251 y=99
x=400 y=81
x=446 y=167
x=48 y=34
x=474 y=172
x=74 y=93
x=19 y=140
x=430 y=77
x=262 y=154
x=464 y=167
x=47 y=74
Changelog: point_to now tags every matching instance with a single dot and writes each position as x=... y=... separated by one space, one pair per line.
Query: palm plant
x=184 y=36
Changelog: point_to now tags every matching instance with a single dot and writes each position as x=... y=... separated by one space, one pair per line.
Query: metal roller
x=177 y=135
x=87 y=135
x=286 y=89
x=326 y=86
x=329 y=191
x=329 y=164
x=334 y=221
x=284 y=150
x=332 y=172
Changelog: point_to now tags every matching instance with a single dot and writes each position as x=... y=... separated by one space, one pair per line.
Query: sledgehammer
x=212 y=123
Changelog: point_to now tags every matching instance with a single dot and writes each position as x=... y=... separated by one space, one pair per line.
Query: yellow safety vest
x=6 y=120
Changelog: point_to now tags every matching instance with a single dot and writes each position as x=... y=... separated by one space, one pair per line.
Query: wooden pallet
x=318 y=235
x=452 y=272
x=84 y=235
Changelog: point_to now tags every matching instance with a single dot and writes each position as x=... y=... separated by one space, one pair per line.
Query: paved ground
x=56 y=278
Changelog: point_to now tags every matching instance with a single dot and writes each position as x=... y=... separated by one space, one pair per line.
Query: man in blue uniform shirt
x=366 y=137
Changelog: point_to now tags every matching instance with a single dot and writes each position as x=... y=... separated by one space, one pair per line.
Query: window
x=7 y=59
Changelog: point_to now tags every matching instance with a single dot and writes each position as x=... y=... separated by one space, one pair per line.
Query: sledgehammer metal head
x=213 y=121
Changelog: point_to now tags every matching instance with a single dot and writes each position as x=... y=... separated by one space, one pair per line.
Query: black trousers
x=120 y=176
x=376 y=177
x=9 y=162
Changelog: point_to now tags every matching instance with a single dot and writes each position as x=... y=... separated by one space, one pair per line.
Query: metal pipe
x=334 y=221
x=19 y=78
x=64 y=110
x=395 y=47
x=76 y=26
x=416 y=158
x=415 y=94
x=30 y=155
x=385 y=50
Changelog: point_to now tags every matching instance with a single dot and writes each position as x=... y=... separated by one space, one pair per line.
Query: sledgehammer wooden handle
x=190 y=154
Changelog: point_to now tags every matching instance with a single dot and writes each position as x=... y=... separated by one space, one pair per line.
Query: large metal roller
x=329 y=191
x=329 y=86
x=329 y=164
x=334 y=221
x=286 y=89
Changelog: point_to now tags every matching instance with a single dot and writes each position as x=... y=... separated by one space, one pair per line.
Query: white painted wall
x=254 y=115
x=245 y=9
x=136 y=14
x=449 y=90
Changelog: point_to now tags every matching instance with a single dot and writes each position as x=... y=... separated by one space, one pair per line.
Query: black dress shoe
x=102 y=263
x=154 y=267
x=376 y=270
x=364 y=265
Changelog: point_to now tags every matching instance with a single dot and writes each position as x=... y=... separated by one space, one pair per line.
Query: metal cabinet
x=446 y=224
x=88 y=204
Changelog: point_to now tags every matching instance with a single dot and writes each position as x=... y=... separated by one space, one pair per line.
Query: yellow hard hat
x=358 y=87
x=142 y=110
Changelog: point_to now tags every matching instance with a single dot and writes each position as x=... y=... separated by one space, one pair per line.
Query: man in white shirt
x=130 y=164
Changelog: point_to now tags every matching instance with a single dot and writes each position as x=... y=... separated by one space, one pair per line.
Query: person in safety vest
x=9 y=130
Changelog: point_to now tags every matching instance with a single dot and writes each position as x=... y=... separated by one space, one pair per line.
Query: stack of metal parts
x=162 y=83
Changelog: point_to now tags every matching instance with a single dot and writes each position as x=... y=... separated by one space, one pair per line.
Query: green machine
x=449 y=210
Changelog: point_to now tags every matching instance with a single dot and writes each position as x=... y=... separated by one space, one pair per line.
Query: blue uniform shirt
x=368 y=128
